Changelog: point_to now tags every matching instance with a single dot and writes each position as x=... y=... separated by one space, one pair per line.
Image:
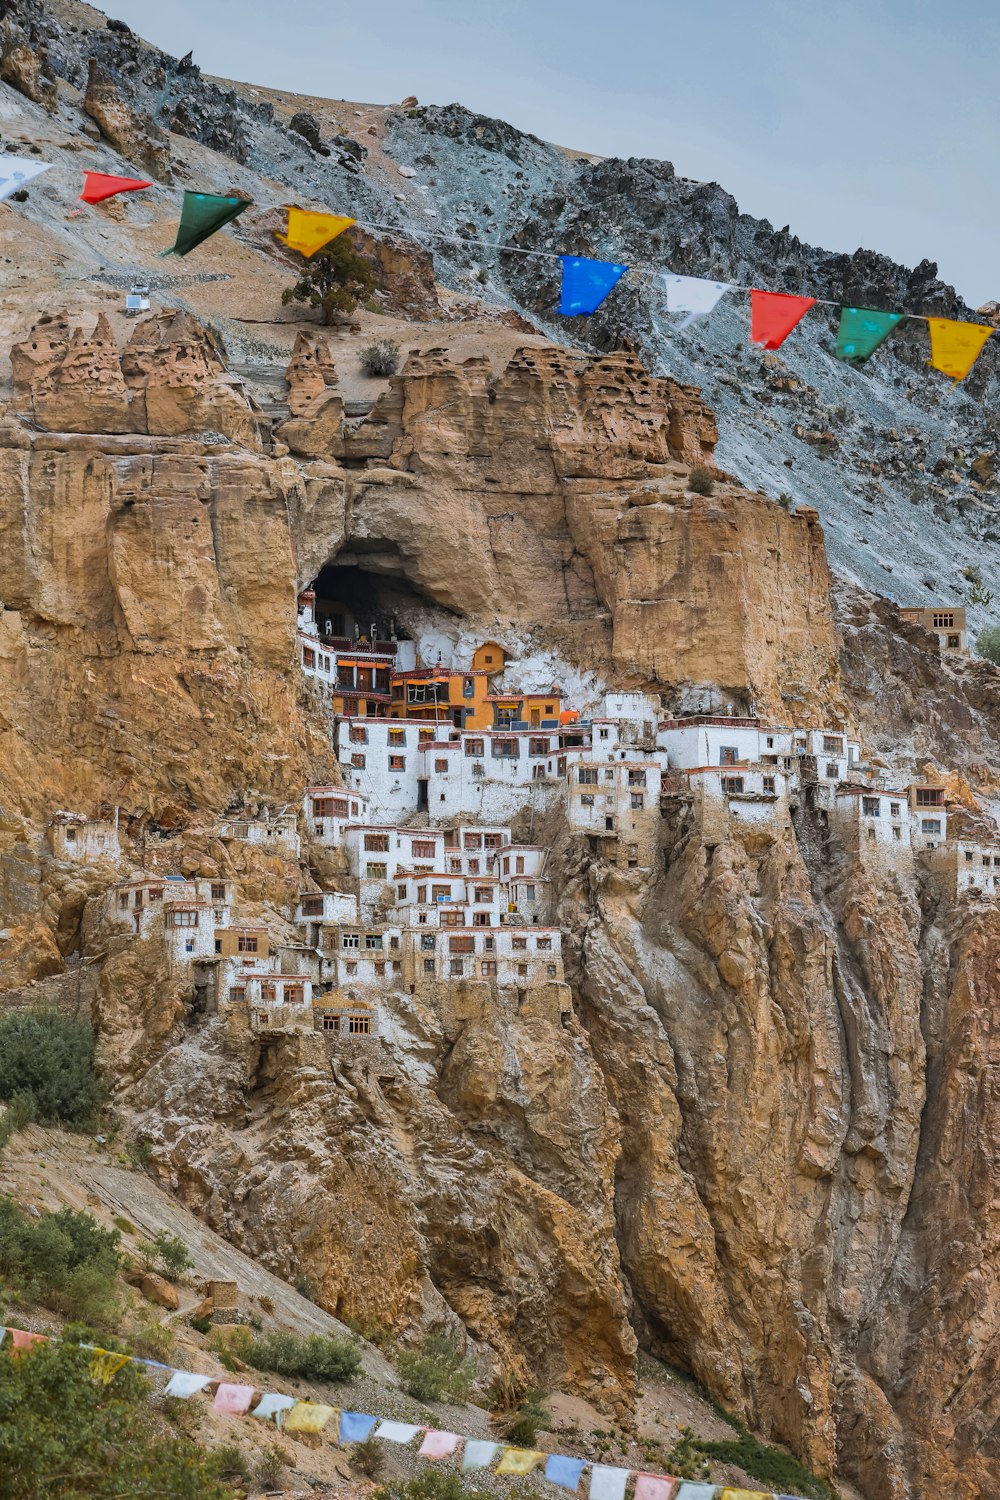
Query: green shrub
x=334 y=281
x=229 y=1461
x=785 y=500
x=701 y=481
x=380 y=358
x=530 y=1418
x=270 y=1466
x=318 y=1356
x=368 y=1456
x=769 y=1466
x=980 y=595
x=49 y=1057
x=201 y=1325
x=125 y=1225
x=684 y=1459
x=65 y=1260
x=62 y=1433
x=436 y=1371
x=304 y=1287
x=988 y=644
x=432 y=1484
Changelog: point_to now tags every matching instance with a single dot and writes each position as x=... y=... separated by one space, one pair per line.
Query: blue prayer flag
x=564 y=1471
x=355 y=1426
x=586 y=283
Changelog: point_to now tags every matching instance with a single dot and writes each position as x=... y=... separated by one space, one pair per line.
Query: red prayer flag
x=100 y=185
x=24 y=1340
x=654 y=1486
x=773 y=315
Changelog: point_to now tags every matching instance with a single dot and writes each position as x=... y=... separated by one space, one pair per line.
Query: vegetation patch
x=436 y=1371
x=48 y=1058
x=64 y=1260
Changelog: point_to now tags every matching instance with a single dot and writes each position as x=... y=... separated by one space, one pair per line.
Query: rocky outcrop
x=25 y=65
x=134 y=133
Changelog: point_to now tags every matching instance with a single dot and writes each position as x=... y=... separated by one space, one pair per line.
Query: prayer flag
x=396 y=1432
x=104 y=1366
x=233 y=1399
x=693 y=295
x=272 y=1405
x=654 y=1486
x=692 y=1491
x=478 y=1453
x=3 y=1334
x=100 y=185
x=518 y=1461
x=182 y=1384
x=201 y=215
x=24 y=1340
x=586 y=283
x=355 y=1426
x=955 y=347
x=773 y=315
x=563 y=1471
x=438 y=1444
x=309 y=1416
x=607 y=1483
x=308 y=232
x=17 y=171
x=730 y=1494
x=862 y=330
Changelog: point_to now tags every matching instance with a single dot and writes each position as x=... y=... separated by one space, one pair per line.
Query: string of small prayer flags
x=586 y=282
x=607 y=1482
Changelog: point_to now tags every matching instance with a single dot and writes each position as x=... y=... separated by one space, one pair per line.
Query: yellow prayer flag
x=955 y=347
x=309 y=232
x=105 y=1366
x=518 y=1461
x=731 y=1494
x=309 y=1416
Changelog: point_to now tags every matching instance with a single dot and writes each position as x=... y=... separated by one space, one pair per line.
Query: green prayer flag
x=201 y=216
x=862 y=330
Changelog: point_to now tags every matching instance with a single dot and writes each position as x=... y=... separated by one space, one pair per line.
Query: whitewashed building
x=74 y=837
x=328 y=810
x=617 y=804
x=278 y=835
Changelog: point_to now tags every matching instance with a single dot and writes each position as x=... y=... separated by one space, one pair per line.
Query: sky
x=867 y=123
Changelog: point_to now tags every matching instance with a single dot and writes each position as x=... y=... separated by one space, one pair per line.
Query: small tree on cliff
x=334 y=280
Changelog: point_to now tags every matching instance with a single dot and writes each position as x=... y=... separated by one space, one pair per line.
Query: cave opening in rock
x=358 y=603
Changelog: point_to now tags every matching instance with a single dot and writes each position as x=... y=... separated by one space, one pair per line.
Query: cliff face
x=760 y=1138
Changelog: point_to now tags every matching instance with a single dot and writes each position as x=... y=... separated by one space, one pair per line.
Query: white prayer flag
x=607 y=1483
x=272 y=1404
x=478 y=1453
x=396 y=1432
x=693 y=295
x=184 y=1384
x=690 y=1491
x=17 y=171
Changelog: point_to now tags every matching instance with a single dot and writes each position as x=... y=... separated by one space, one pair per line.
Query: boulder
x=156 y=1289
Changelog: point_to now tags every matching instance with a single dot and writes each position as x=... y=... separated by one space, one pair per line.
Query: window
x=182 y=919
x=930 y=825
x=550 y=970
x=767 y=782
x=505 y=749
x=427 y=941
x=493 y=840
x=123 y=899
x=549 y=708
x=308 y=656
x=897 y=832
x=478 y=770
x=544 y=944
x=218 y=891
x=380 y=967
x=350 y=940
x=636 y=778
x=894 y=809
x=351 y=967
x=609 y=825
x=267 y=990
x=377 y=871
x=480 y=919
x=330 y=1021
x=770 y=741
x=561 y=765
x=358 y=762
x=870 y=807
x=943 y=622
x=472 y=841
x=218 y=945
x=488 y=945
x=401 y=892
x=428 y=966
x=954 y=642
x=238 y=992
x=488 y=659
x=833 y=744
x=373 y=940
x=529 y=893
x=394 y=941
x=930 y=796
x=483 y=895
x=397 y=736
x=441 y=764
x=609 y=775
x=360 y=1025
x=377 y=843
x=968 y=857
x=728 y=755
x=397 y=762
x=522 y=970
x=440 y=892
x=456 y=967
x=587 y=775
x=519 y=943
x=464 y=944
x=71 y=835
x=538 y=772
x=488 y=968
x=473 y=867
x=474 y=747
x=538 y=746
x=732 y=785
x=638 y=801
x=358 y=734
x=312 y=906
